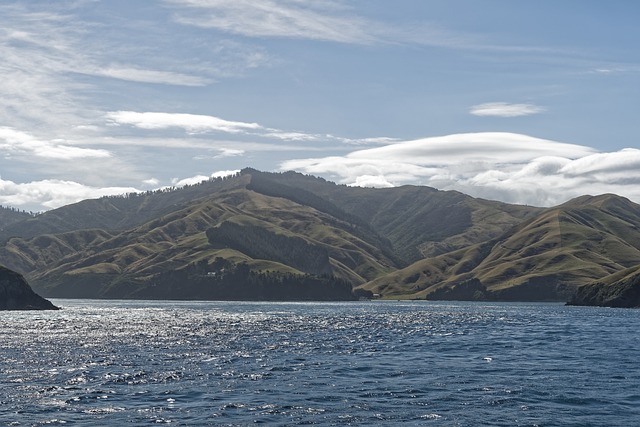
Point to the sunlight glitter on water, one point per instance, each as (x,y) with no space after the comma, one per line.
(135,363)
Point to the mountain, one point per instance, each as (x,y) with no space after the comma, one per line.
(266,229)
(544,258)
(16,294)
(419,221)
(262,236)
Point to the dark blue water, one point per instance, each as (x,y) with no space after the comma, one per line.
(413,363)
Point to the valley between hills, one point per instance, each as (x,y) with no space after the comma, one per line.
(288,236)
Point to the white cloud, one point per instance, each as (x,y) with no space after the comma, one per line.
(198,125)
(151,182)
(472,148)
(14,141)
(152,76)
(381,140)
(501,166)
(504,109)
(293,136)
(189,181)
(626,161)
(224,173)
(200,178)
(377,181)
(229,152)
(52,193)
(192,123)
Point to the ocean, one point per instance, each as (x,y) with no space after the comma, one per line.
(103,363)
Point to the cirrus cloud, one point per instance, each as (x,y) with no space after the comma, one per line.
(269,18)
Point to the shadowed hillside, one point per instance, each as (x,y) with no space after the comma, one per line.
(418,221)
(621,289)
(9,216)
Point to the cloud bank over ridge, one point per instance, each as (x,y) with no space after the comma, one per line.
(495,165)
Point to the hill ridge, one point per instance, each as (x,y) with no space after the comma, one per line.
(408,241)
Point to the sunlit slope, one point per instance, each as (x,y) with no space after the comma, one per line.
(178,239)
(573,244)
(117,212)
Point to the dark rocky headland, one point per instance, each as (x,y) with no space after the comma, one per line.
(615,291)
(16,294)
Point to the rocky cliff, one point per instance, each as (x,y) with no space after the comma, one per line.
(618,290)
(16,294)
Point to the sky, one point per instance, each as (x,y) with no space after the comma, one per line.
(527,102)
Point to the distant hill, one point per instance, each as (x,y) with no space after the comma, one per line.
(259,235)
(544,258)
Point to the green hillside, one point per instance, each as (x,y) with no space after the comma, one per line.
(260,235)
(184,237)
(543,258)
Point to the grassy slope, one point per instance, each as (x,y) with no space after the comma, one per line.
(177,239)
(419,221)
(463,238)
(576,243)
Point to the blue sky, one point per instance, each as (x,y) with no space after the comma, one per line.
(530,102)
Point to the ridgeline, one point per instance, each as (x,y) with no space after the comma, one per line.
(288,236)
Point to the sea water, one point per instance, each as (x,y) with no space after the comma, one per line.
(98,363)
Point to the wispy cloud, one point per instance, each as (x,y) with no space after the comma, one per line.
(152,76)
(504,109)
(198,125)
(222,153)
(229,152)
(270,18)
(192,123)
(45,49)
(500,166)
(328,20)
(18,142)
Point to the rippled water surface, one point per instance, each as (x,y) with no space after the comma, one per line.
(370,363)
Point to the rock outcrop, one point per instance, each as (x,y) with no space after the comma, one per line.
(623,293)
(16,294)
